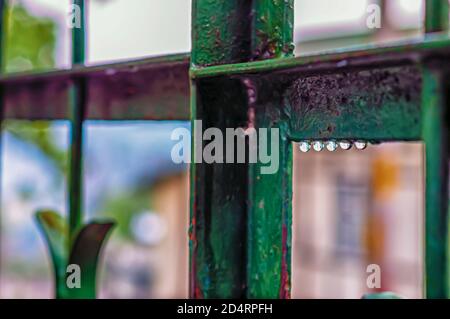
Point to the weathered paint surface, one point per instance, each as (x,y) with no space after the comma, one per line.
(240,239)
(269,202)
(220,31)
(382,104)
(272,29)
(218,203)
(372,94)
(373,56)
(232,31)
(115,91)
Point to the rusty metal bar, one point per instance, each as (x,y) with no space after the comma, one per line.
(240,242)
(158,88)
(269,228)
(218,218)
(398,53)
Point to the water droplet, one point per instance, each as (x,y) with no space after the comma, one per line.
(331,146)
(318,146)
(360,145)
(342,63)
(304,146)
(345,145)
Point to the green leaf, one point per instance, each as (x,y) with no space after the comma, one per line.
(55,232)
(85,253)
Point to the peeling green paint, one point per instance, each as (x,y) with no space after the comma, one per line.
(238,246)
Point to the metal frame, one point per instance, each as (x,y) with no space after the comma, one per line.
(242,73)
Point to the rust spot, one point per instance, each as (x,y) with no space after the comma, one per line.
(284,285)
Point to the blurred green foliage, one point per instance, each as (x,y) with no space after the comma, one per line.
(30,46)
(30,41)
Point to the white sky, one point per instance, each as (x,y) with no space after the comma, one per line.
(126,29)
(123,29)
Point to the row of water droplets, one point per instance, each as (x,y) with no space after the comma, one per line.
(318,146)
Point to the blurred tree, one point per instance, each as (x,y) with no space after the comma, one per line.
(30,41)
(30,46)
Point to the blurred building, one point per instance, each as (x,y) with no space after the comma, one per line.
(353,209)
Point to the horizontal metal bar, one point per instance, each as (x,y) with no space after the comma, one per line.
(80,70)
(376,103)
(371,94)
(149,89)
(381,104)
(158,89)
(396,53)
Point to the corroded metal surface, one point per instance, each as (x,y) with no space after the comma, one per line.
(239,239)
(235,31)
(376,94)
(381,104)
(394,54)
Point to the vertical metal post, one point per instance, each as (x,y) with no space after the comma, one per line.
(77,110)
(436,15)
(272,31)
(435,134)
(269,199)
(240,219)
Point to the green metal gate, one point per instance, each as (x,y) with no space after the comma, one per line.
(242,70)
